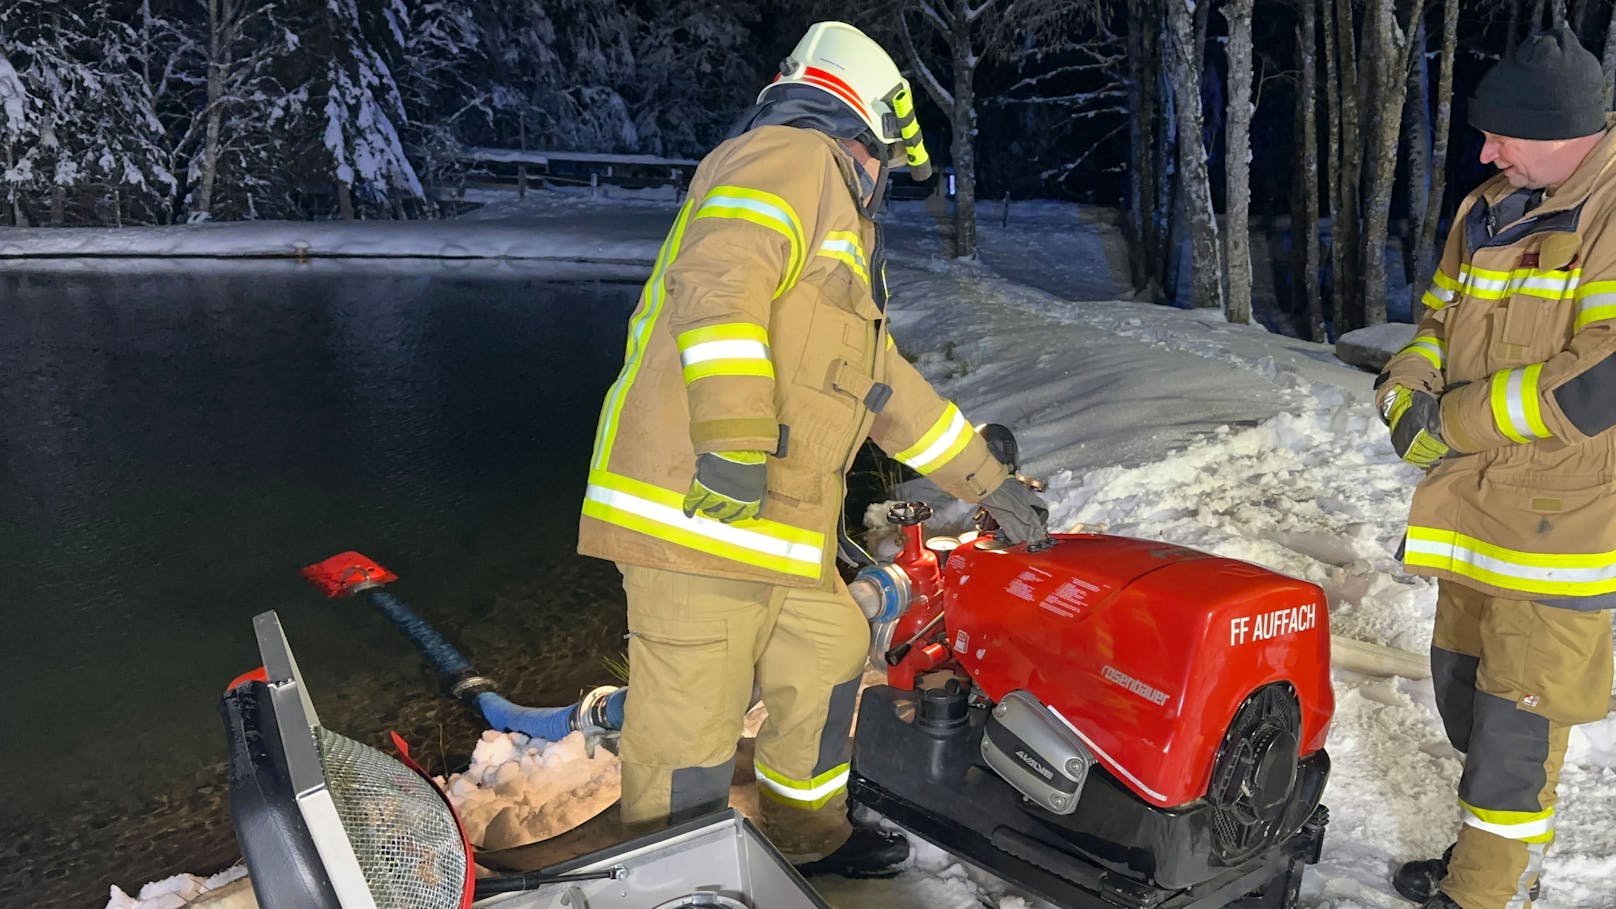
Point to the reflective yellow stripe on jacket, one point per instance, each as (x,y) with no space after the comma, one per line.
(642,507)
(763,208)
(1487,284)
(1433,349)
(946,438)
(730,349)
(1526,826)
(639,334)
(843,245)
(1516,406)
(807,794)
(1444,287)
(1596,302)
(1546,574)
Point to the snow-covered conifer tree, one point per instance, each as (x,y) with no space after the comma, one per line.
(440,78)
(363,109)
(19,125)
(693,73)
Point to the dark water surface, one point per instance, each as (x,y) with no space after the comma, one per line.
(175,445)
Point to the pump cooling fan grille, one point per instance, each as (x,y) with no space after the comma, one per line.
(1255,772)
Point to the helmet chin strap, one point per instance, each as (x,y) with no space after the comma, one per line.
(871,203)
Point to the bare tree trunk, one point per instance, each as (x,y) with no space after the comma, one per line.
(1417,129)
(1426,244)
(1305,217)
(1237,163)
(1346,250)
(1206,280)
(1166,221)
(964,145)
(1168,186)
(1141,139)
(1579,15)
(218,66)
(19,218)
(1143,64)
(345,209)
(1390,83)
(1511,32)
(1332,97)
(1558,8)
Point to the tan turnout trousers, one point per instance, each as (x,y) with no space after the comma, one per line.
(697,646)
(1512,677)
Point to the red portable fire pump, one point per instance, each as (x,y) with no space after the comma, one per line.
(1106,721)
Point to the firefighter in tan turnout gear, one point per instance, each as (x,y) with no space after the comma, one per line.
(758,360)
(1508,395)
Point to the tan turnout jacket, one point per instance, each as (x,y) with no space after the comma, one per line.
(760,330)
(1521,337)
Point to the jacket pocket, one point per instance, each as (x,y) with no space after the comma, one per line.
(795,478)
(1527,329)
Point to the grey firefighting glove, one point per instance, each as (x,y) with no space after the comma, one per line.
(1021,515)
(729,486)
(1415,418)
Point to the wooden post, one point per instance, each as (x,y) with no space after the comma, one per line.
(594,183)
(521,180)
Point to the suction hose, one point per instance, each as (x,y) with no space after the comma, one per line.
(881,592)
(598,713)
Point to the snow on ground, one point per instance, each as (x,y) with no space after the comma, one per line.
(174,892)
(1174,425)
(518,790)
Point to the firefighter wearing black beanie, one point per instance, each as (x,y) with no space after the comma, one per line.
(1551,87)
(1507,397)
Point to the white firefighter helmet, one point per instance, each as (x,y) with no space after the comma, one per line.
(842,61)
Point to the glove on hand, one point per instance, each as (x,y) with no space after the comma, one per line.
(1415,418)
(1021,515)
(729,486)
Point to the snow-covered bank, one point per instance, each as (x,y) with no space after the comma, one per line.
(610,238)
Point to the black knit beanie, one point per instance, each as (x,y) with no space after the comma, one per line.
(1550,88)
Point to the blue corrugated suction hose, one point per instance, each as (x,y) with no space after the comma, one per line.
(600,712)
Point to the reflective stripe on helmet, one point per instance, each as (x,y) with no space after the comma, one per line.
(813,75)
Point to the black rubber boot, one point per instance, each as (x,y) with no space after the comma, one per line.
(868,853)
(1418,881)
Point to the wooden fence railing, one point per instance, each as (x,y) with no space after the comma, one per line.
(524,168)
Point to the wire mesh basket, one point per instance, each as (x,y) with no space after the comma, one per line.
(405,838)
(324,821)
